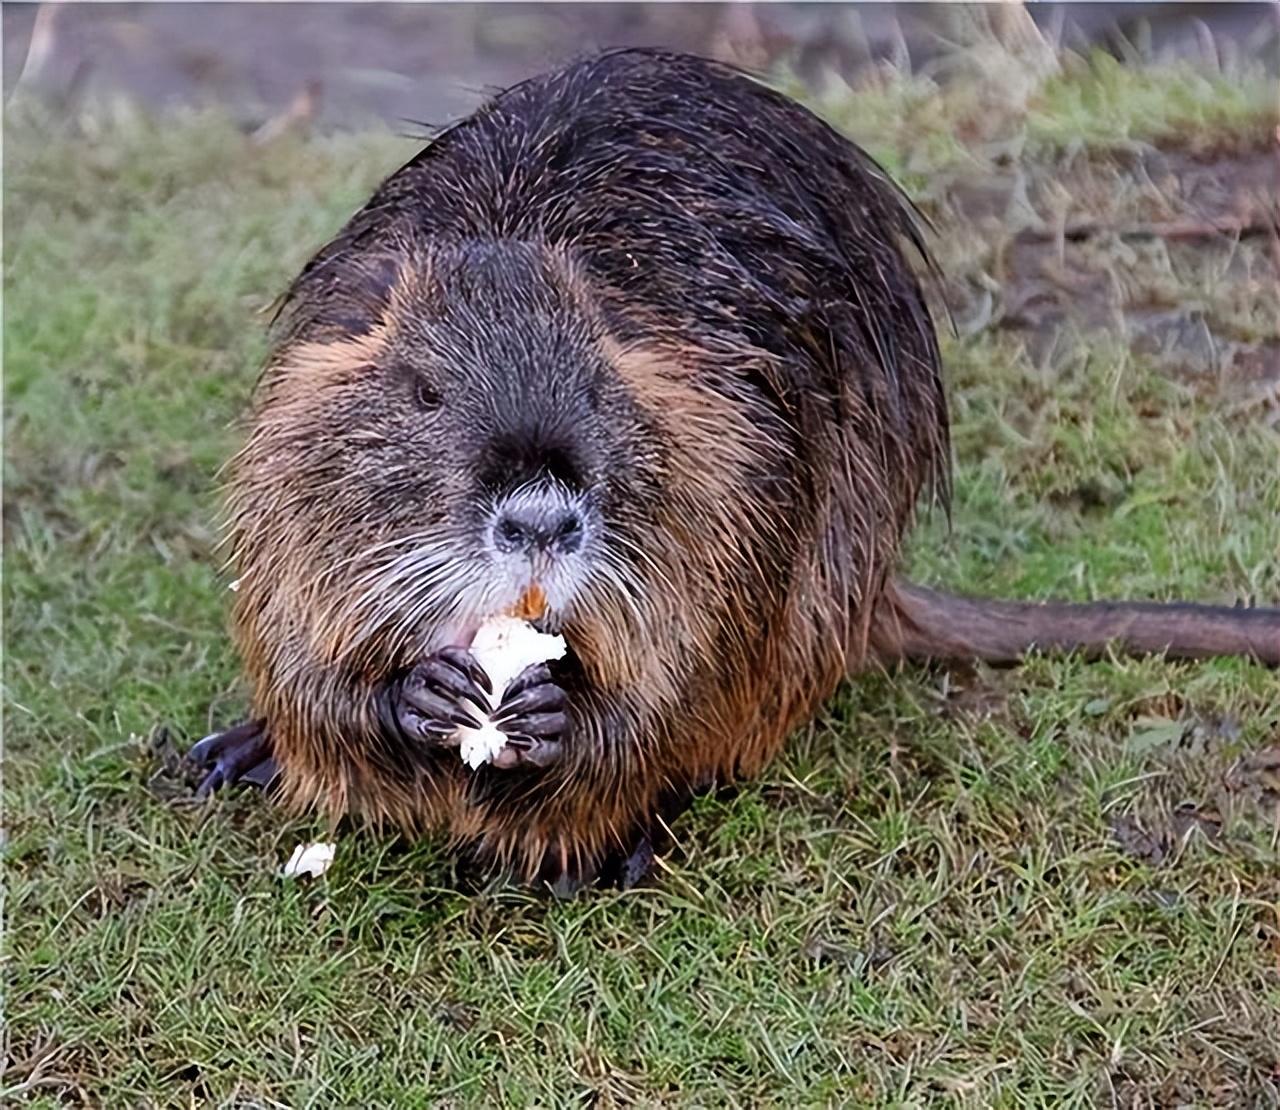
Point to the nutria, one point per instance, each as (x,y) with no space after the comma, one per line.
(644,334)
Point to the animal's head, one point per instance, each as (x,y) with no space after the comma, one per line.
(465,422)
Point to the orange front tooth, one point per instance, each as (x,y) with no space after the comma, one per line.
(532,605)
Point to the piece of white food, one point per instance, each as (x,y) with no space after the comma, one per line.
(504,646)
(309,859)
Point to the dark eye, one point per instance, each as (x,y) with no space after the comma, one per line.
(426,396)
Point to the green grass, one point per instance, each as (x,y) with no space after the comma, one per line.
(1058,885)
(1102,101)
(924,126)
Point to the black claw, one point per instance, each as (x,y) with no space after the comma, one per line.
(537,674)
(533,699)
(433,705)
(263,775)
(441,731)
(534,716)
(543,753)
(535,724)
(412,724)
(442,677)
(431,701)
(637,865)
(533,705)
(528,750)
(464,661)
(203,750)
(210,783)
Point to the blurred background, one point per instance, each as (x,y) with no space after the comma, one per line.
(344,63)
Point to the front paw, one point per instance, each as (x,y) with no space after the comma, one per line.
(434,698)
(534,715)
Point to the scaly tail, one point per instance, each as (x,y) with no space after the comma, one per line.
(919,623)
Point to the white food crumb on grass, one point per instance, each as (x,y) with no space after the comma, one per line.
(504,646)
(309,859)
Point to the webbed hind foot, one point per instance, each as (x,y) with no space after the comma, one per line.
(239,754)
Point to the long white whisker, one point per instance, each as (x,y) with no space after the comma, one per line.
(373,549)
(639,552)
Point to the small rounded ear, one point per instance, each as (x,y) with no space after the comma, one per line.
(348,288)
(372,280)
(359,296)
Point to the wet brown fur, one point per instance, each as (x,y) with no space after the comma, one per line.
(735,643)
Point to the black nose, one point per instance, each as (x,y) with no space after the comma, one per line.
(534,520)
